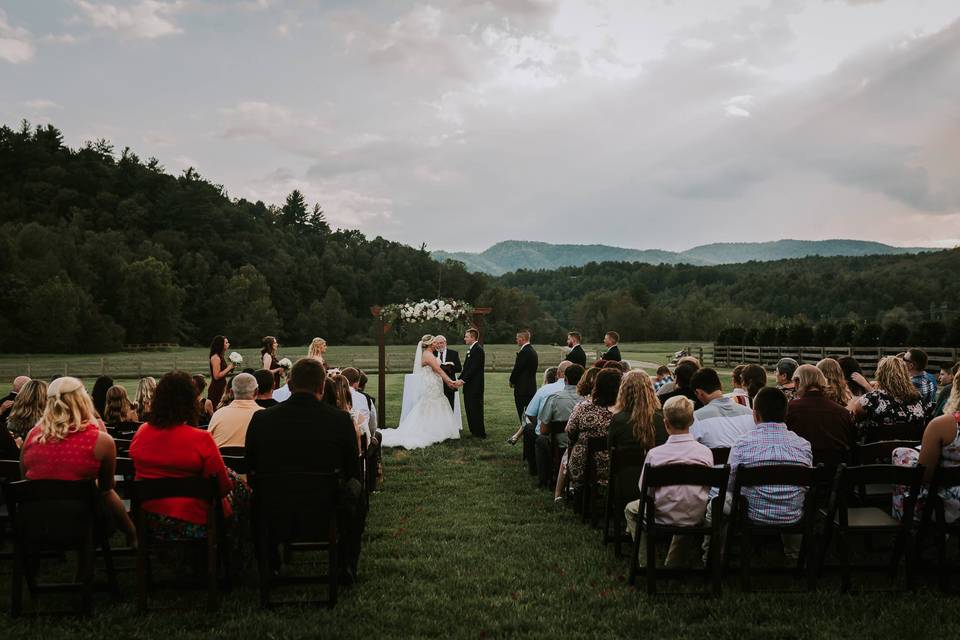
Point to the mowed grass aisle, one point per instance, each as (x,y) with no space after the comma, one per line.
(460,545)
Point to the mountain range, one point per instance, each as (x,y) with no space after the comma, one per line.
(512,255)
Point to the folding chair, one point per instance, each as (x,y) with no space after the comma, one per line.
(591,480)
(720,455)
(236,452)
(58,516)
(623,487)
(842,519)
(556,429)
(205,489)
(124,430)
(781,475)
(9,472)
(943,477)
(897,431)
(297,510)
(879,452)
(123,447)
(672,475)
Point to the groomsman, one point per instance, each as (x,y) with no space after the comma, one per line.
(576,354)
(450,363)
(523,378)
(611,340)
(472,377)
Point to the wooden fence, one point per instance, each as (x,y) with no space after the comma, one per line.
(868,357)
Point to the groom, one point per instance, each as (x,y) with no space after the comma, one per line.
(472,378)
(449,362)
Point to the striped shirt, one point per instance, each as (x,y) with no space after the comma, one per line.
(771,444)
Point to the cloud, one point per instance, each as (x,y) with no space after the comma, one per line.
(289,129)
(16,44)
(41,104)
(147,19)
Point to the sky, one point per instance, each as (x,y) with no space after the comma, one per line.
(638,123)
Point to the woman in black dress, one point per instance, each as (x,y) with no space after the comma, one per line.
(219,369)
(268,355)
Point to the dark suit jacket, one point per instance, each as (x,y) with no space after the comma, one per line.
(472,374)
(302,434)
(524,374)
(578,356)
(454,359)
(612,354)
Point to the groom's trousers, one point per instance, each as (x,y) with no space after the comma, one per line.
(473,405)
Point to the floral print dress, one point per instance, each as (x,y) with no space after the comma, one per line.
(949,457)
(588,421)
(880,409)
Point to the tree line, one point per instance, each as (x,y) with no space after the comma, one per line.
(99,248)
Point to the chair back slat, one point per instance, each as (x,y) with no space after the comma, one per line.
(851,477)
(626,463)
(779,474)
(720,455)
(9,470)
(236,463)
(295,505)
(237,452)
(685,474)
(156,489)
(52,512)
(879,452)
(556,426)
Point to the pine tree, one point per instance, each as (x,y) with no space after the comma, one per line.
(294,210)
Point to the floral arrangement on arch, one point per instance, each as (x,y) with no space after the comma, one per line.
(442,310)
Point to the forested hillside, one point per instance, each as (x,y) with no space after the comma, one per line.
(99,248)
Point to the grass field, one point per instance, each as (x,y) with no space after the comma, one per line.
(461,545)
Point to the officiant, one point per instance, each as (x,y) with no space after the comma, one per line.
(449,362)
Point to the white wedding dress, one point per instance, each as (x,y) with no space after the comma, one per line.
(429,419)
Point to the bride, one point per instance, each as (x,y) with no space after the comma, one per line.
(430,420)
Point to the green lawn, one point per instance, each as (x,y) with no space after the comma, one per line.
(461,545)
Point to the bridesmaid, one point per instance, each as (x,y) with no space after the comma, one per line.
(268,354)
(318,349)
(219,369)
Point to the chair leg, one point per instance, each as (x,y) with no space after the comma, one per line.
(333,573)
(844,560)
(85,555)
(16,583)
(264,571)
(942,570)
(108,565)
(651,564)
(716,566)
(142,570)
(635,555)
(212,563)
(746,546)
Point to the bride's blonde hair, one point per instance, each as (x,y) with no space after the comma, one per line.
(426,340)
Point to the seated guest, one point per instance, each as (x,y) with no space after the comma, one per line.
(739,393)
(374,451)
(117,407)
(894,401)
(265,389)
(947,374)
(204,405)
(853,374)
(576,355)
(816,418)
(359,401)
(683,374)
(592,419)
(585,391)
(940,447)
(552,383)
(169,446)
(99,394)
(556,408)
(837,388)
(67,444)
(228,426)
(28,408)
(754,378)
(306,434)
(785,369)
(922,379)
(670,387)
(720,421)
(664,376)
(636,415)
(680,505)
(771,443)
(6,403)
(144,397)
(340,396)
(611,341)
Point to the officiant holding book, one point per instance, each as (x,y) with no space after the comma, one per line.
(449,362)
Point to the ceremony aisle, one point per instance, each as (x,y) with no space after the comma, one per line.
(460,544)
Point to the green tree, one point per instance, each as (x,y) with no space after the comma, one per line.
(294,210)
(151,302)
(250,312)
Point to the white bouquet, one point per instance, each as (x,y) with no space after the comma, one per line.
(285,363)
(236,358)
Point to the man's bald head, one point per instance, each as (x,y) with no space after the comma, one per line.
(19,382)
(562,368)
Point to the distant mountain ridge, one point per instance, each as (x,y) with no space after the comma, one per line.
(512,255)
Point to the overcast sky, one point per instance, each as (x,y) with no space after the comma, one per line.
(639,123)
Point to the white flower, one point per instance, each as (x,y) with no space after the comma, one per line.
(285,363)
(236,358)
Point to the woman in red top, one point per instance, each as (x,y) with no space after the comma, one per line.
(169,447)
(68,444)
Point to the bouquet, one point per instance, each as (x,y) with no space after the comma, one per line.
(236,358)
(285,363)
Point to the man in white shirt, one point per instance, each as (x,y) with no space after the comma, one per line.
(359,401)
(721,421)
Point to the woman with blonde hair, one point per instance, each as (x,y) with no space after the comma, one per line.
(837,388)
(637,418)
(894,401)
(67,444)
(337,393)
(117,407)
(317,350)
(27,408)
(143,399)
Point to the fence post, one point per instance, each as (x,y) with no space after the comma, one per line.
(139,368)
(700,351)
(103,370)
(29,372)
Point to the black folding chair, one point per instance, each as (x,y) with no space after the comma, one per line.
(123,447)
(592,486)
(623,487)
(299,511)
(235,452)
(58,516)
(842,519)
(9,472)
(897,431)
(124,430)
(934,521)
(879,452)
(804,478)
(556,430)
(205,489)
(673,475)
